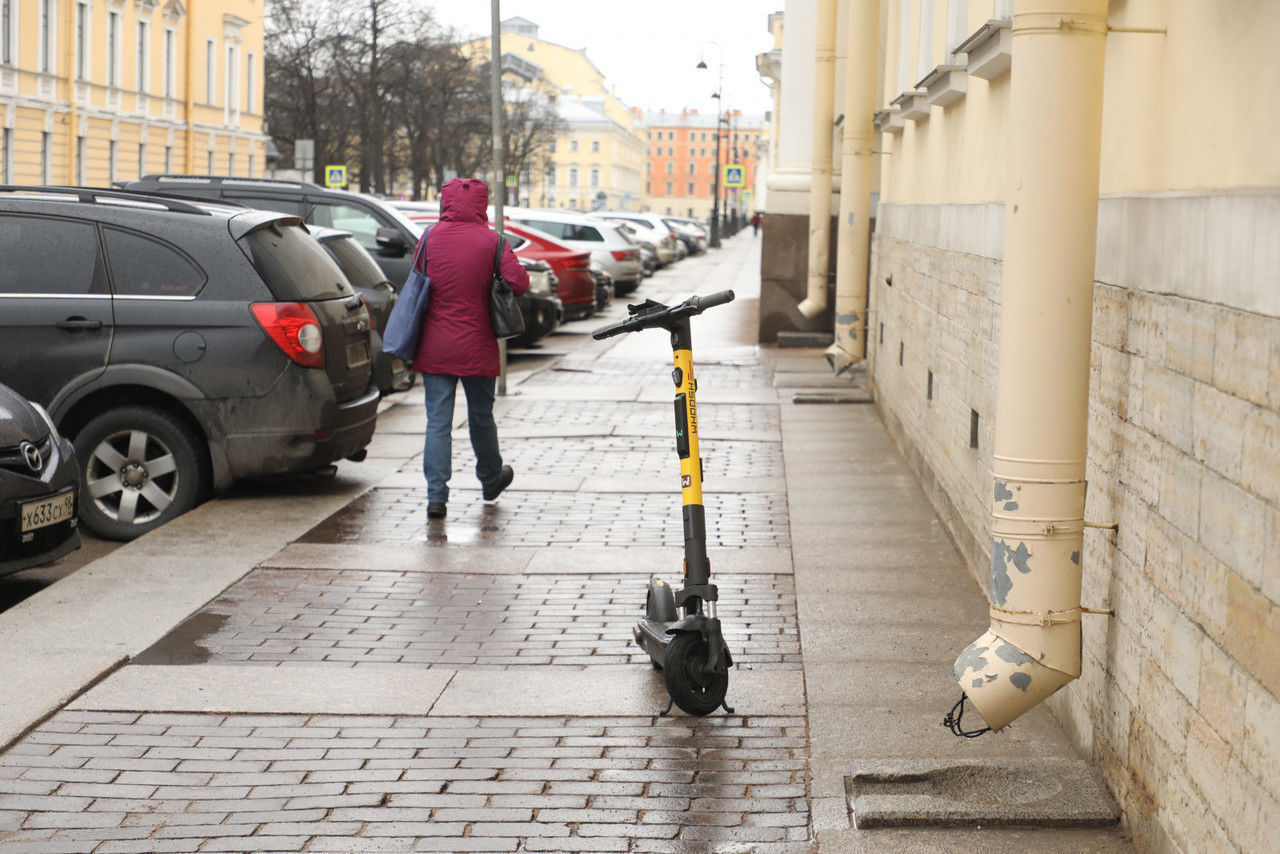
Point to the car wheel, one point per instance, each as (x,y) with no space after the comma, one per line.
(140,468)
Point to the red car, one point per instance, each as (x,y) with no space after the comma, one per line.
(577,288)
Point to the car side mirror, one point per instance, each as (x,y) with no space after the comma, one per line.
(390,242)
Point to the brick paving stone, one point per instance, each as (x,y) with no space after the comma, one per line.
(644,780)
(389,515)
(454,619)
(523,413)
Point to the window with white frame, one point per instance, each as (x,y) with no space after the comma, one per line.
(80,157)
(924,47)
(6,155)
(573,178)
(143,55)
(168,158)
(170,44)
(233,81)
(250,79)
(48,30)
(46,142)
(111,160)
(209,163)
(573,145)
(595,145)
(904,45)
(595,179)
(8,19)
(142,159)
(250,172)
(113,48)
(671,187)
(671,168)
(210,70)
(83,13)
(693,168)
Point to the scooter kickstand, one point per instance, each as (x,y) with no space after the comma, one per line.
(725,705)
(667,710)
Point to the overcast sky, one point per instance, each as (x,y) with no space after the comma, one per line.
(648,49)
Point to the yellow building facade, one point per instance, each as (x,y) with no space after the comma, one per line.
(95,91)
(600,152)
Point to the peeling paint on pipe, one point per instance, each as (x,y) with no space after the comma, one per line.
(1033,646)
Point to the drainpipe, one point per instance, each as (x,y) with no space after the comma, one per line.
(852,243)
(824,84)
(1033,646)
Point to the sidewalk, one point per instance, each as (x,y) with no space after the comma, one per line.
(330,671)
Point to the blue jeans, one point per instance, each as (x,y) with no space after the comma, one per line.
(437,462)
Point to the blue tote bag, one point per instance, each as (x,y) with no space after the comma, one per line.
(405,323)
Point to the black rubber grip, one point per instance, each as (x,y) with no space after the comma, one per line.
(712,300)
(610,331)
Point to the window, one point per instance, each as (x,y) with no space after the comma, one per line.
(48,20)
(111,159)
(7,17)
(704,136)
(573,178)
(595,179)
(144,44)
(648,187)
(82,40)
(573,145)
(231,163)
(143,266)
(595,145)
(553,146)
(250,168)
(27,239)
(142,159)
(702,152)
(671,152)
(250,104)
(551,176)
(671,168)
(168,158)
(359,221)
(80,160)
(973,428)
(169,42)
(6,155)
(691,186)
(671,187)
(693,168)
(113,49)
(293,265)
(209,161)
(210,70)
(233,83)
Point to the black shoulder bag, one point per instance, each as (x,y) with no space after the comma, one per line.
(504,310)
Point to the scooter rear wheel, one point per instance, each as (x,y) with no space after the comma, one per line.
(681,670)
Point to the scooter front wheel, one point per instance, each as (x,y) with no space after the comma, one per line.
(694,691)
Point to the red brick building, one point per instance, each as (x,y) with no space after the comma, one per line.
(682,156)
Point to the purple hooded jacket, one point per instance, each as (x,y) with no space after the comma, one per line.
(456,336)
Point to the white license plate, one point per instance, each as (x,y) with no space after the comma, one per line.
(357,354)
(48,511)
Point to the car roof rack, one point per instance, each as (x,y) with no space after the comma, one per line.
(94,195)
(228,180)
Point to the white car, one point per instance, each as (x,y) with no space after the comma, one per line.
(613,250)
(651,228)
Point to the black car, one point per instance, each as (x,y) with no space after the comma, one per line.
(39,485)
(389,373)
(182,345)
(385,232)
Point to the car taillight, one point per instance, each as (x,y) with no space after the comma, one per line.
(294,328)
(626,254)
(373,323)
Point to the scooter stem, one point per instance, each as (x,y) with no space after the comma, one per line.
(697,567)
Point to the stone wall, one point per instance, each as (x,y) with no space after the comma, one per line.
(784,276)
(1178,695)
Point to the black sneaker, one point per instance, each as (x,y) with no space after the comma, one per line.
(436,509)
(504,480)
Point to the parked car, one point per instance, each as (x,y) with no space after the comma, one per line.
(541,309)
(609,247)
(604,287)
(648,249)
(389,373)
(183,345)
(690,232)
(575,288)
(39,486)
(385,232)
(651,228)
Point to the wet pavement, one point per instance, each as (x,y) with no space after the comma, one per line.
(348,675)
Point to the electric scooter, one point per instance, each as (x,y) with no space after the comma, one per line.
(690,649)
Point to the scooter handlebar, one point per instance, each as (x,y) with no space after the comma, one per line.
(692,306)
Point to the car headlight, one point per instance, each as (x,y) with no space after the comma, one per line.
(53,428)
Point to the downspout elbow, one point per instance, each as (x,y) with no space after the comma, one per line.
(1002,681)
(815,303)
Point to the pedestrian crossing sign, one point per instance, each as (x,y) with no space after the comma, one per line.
(335,176)
(734,175)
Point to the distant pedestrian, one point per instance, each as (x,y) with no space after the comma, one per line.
(458,341)
(755,223)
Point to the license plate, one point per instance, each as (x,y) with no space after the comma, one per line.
(357,353)
(48,511)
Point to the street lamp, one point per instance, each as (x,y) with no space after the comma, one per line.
(714,242)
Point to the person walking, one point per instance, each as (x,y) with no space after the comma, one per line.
(457,343)
(755,223)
